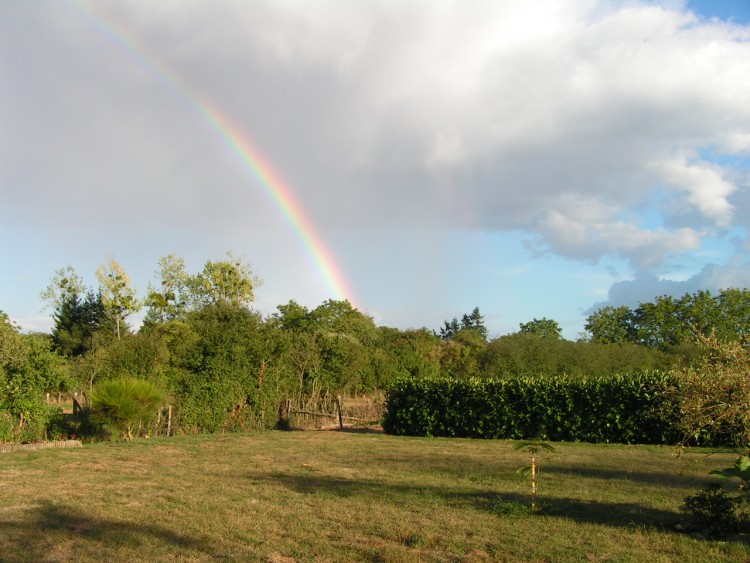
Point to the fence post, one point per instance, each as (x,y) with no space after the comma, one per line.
(341,414)
(169,420)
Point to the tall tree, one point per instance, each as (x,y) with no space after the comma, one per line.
(118,295)
(611,325)
(64,286)
(224,282)
(472,321)
(544,327)
(76,320)
(170,300)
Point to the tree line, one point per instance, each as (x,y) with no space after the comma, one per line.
(224,366)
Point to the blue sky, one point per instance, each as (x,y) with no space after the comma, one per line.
(533,159)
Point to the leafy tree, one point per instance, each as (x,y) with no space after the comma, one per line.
(734,311)
(293,316)
(28,368)
(171,299)
(459,356)
(416,352)
(66,285)
(118,295)
(224,282)
(669,323)
(544,328)
(611,325)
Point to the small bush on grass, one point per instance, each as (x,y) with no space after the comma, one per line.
(714,513)
(124,406)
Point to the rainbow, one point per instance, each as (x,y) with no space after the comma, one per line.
(239,143)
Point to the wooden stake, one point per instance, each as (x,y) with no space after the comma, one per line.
(169,421)
(533,483)
(341,414)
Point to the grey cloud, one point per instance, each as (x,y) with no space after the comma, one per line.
(386,115)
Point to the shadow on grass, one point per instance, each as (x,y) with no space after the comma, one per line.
(578,510)
(50,527)
(661,479)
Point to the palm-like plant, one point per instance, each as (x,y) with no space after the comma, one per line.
(534,448)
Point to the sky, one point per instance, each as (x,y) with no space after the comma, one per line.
(419,158)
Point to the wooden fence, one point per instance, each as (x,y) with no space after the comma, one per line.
(289,411)
(55,444)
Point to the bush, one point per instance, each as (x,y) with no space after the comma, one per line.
(6,426)
(125,405)
(714,394)
(714,513)
(624,409)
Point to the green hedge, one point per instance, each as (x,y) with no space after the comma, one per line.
(623,409)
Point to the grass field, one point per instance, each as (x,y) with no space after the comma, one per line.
(349,496)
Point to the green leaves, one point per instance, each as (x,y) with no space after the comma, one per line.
(625,409)
(740,470)
(126,404)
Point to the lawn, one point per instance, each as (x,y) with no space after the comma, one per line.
(349,496)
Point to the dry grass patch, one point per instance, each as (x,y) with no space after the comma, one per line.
(344,496)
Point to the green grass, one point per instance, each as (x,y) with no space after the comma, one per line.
(345,496)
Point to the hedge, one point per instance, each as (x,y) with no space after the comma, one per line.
(622,409)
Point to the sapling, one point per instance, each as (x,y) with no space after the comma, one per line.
(533,447)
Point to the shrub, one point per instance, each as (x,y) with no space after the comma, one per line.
(714,513)
(6,426)
(714,394)
(625,409)
(125,405)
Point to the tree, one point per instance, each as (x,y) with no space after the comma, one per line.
(473,321)
(669,323)
(544,328)
(228,282)
(76,320)
(611,325)
(65,286)
(449,329)
(170,301)
(118,295)
(28,368)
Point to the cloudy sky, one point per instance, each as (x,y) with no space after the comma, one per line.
(535,159)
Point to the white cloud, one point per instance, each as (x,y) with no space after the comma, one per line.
(562,120)
(705,188)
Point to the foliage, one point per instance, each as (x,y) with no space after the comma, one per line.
(543,328)
(526,354)
(740,470)
(626,409)
(126,404)
(65,284)
(714,513)
(669,321)
(224,282)
(118,295)
(471,322)
(714,393)
(170,301)
(228,370)
(28,368)
(77,320)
